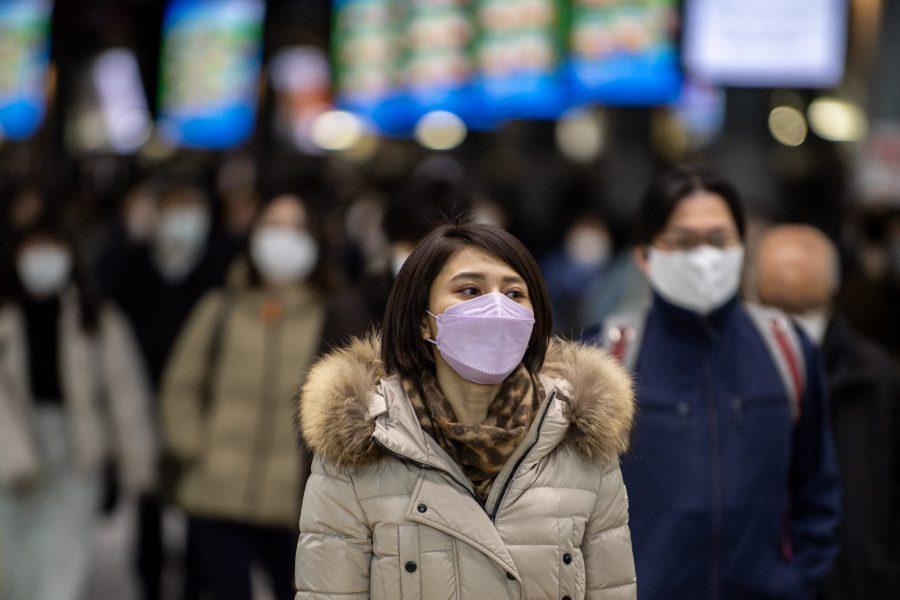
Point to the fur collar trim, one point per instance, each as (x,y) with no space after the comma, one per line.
(333,405)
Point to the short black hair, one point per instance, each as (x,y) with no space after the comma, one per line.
(670,188)
(425,199)
(403,351)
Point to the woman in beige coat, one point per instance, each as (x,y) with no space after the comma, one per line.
(465,455)
(227,406)
(73,397)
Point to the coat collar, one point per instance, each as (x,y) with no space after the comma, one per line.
(347,396)
(691,323)
(238,283)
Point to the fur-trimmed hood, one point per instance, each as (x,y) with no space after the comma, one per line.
(334,403)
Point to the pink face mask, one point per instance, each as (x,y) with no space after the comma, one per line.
(485,338)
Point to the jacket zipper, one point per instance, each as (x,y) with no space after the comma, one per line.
(264,424)
(519,462)
(427,467)
(716,483)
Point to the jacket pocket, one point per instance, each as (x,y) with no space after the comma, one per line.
(674,416)
(747,405)
(571,562)
(410,573)
(766,413)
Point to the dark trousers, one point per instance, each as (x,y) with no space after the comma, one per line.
(150,546)
(221,554)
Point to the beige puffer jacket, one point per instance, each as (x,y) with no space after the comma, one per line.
(241,451)
(388,515)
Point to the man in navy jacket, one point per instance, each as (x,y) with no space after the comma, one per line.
(731,477)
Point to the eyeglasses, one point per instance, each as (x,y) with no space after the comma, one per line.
(718,239)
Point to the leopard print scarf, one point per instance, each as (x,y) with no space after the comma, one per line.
(481,450)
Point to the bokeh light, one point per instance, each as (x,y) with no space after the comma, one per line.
(837,120)
(440,130)
(337,130)
(788,125)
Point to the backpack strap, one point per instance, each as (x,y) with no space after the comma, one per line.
(214,351)
(777,330)
(622,336)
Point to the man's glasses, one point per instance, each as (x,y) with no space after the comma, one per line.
(718,239)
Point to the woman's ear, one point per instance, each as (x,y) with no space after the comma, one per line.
(425,328)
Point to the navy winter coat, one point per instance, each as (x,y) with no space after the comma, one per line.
(729,497)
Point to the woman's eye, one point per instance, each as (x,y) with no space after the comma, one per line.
(469,291)
(515,294)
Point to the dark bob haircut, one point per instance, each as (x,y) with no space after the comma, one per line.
(670,188)
(403,351)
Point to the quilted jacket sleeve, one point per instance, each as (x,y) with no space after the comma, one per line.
(608,560)
(335,545)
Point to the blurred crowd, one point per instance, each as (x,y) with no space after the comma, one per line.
(151,353)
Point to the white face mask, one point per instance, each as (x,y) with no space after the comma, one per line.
(44,270)
(814,323)
(700,280)
(180,240)
(283,254)
(588,246)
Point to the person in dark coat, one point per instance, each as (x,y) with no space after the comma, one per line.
(732,481)
(159,261)
(798,271)
(434,193)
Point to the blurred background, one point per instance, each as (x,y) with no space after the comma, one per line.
(549,110)
(161,135)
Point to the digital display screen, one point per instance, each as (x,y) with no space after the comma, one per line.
(519,52)
(491,60)
(437,65)
(776,43)
(396,61)
(211,62)
(366,54)
(624,53)
(24,59)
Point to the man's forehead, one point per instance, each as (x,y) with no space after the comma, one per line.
(693,229)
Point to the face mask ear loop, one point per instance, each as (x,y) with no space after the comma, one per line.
(435,318)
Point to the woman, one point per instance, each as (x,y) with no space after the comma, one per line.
(73,395)
(226,409)
(465,455)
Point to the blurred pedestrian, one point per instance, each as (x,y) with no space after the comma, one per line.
(798,271)
(434,193)
(20,207)
(465,454)
(590,278)
(870,290)
(73,395)
(162,256)
(732,479)
(227,410)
